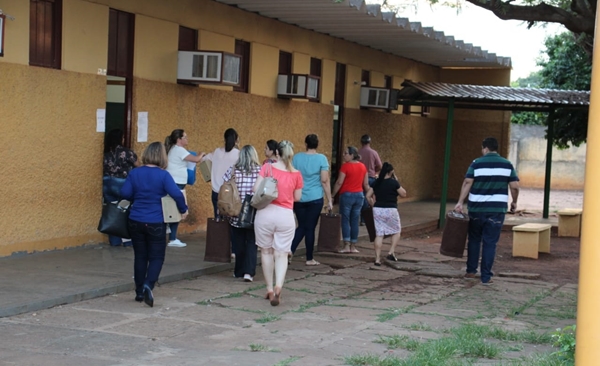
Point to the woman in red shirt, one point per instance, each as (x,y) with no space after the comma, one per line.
(352,181)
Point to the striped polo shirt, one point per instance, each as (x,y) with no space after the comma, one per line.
(491,174)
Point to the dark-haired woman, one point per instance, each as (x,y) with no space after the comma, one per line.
(178,158)
(352,181)
(118,162)
(271,151)
(383,197)
(145,187)
(315,174)
(222,159)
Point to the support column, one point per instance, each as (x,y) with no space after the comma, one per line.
(588,300)
(442,220)
(548,175)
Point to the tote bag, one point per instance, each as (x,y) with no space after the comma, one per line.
(114,219)
(247,213)
(266,192)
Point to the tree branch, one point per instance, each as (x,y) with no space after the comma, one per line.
(579,20)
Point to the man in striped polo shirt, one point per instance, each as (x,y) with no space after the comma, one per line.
(486,183)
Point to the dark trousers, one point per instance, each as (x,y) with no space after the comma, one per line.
(174,225)
(366,203)
(244,248)
(214,197)
(484,232)
(149,249)
(307,214)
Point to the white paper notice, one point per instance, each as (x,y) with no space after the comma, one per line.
(142,125)
(100,120)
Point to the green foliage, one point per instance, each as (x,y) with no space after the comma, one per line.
(564,340)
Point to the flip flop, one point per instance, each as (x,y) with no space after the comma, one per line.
(377,264)
(312,263)
(344,251)
(354,251)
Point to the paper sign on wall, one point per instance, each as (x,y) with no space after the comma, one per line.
(142,126)
(100,120)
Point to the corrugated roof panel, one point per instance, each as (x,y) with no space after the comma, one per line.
(367,25)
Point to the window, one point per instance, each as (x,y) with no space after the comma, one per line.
(388,81)
(315,70)
(285,63)
(365,78)
(45,33)
(242,48)
(188,39)
(121,27)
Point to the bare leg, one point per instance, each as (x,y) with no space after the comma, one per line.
(267,263)
(378,244)
(395,240)
(281,266)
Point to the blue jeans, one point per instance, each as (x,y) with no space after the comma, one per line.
(366,203)
(149,249)
(483,227)
(308,214)
(350,206)
(245,249)
(111,191)
(174,225)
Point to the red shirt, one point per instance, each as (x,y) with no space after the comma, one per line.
(355,176)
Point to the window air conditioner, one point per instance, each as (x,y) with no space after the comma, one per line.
(297,86)
(208,67)
(379,98)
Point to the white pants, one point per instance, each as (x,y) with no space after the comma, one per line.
(274,227)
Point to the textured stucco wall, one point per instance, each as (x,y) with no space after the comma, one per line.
(205,114)
(50,186)
(404,141)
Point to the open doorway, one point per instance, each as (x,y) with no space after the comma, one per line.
(115,103)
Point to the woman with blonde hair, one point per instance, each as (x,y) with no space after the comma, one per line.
(243,240)
(274,225)
(144,188)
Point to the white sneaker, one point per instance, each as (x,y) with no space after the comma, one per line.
(176,243)
(248,278)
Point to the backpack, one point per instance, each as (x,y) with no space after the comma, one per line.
(229,202)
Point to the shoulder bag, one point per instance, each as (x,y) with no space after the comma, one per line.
(266,192)
(247,214)
(114,219)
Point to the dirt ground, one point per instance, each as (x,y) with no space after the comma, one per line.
(561,265)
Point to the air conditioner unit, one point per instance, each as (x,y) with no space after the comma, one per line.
(209,67)
(379,98)
(298,86)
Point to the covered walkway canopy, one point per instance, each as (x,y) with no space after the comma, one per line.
(486,97)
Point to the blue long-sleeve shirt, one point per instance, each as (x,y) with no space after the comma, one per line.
(144,187)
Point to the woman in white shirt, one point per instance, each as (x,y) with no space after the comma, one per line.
(178,156)
(222,159)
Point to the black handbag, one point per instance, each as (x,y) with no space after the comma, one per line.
(114,220)
(247,213)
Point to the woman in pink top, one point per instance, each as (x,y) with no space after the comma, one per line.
(274,225)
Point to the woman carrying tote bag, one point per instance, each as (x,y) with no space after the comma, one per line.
(145,186)
(243,239)
(274,225)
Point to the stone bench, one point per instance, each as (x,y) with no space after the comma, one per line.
(569,222)
(529,239)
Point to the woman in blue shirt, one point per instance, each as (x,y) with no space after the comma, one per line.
(315,174)
(144,187)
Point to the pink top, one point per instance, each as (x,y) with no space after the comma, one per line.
(371,159)
(287,183)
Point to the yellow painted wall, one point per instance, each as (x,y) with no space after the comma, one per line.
(328,81)
(377,79)
(85,36)
(264,70)
(54,110)
(16,32)
(155,56)
(51,181)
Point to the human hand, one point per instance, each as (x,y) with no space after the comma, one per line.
(330,206)
(184,215)
(458,207)
(513,207)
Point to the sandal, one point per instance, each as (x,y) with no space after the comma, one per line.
(276,297)
(391,257)
(378,264)
(312,262)
(353,249)
(344,251)
(269,296)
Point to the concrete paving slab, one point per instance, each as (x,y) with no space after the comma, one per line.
(527,276)
(423,257)
(441,272)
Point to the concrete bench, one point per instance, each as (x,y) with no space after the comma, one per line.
(569,222)
(529,239)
